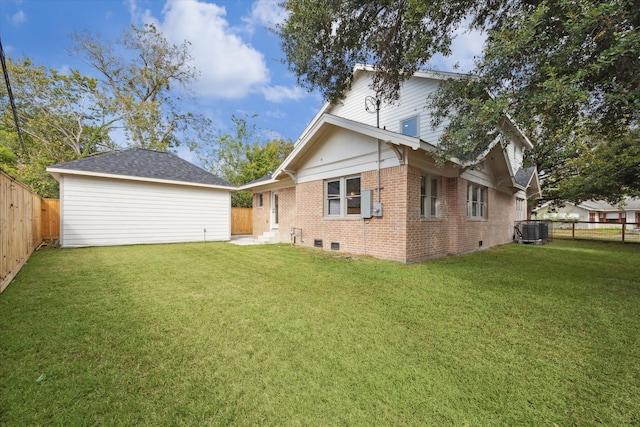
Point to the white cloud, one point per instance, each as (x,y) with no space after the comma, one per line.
(282,93)
(140,16)
(275,114)
(466,45)
(19,18)
(272,135)
(229,67)
(65,70)
(267,13)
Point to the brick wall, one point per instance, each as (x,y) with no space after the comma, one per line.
(400,234)
(429,237)
(287,209)
(383,237)
(286,212)
(473,234)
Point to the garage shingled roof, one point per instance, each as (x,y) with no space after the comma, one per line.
(143,163)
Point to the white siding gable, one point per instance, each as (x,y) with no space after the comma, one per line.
(515,154)
(343,153)
(412,102)
(105,212)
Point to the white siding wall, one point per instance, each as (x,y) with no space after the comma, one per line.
(104,212)
(516,155)
(413,100)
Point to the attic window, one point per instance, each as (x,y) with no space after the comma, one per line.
(409,126)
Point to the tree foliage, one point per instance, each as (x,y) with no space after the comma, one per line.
(567,71)
(604,170)
(69,116)
(137,82)
(61,119)
(241,157)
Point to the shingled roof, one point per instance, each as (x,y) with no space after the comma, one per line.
(523,176)
(141,163)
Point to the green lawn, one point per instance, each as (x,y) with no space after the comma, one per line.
(218,334)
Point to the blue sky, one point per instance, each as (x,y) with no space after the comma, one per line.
(238,58)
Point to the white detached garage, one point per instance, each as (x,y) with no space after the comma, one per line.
(140,196)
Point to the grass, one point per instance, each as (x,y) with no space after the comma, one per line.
(218,334)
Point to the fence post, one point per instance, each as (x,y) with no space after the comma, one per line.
(573,231)
(624,226)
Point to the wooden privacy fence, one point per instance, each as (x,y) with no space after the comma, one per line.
(50,219)
(20,226)
(241,221)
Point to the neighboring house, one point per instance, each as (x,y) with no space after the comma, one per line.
(140,196)
(596,212)
(351,186)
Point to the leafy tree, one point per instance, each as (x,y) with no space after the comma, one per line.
(136,82)
(241,157)
(605,170)
(568,72)
(60,117)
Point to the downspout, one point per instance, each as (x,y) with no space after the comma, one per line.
(378,172)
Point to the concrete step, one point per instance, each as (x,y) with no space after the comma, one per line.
(269,237)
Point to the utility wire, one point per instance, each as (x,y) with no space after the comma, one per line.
(11,99)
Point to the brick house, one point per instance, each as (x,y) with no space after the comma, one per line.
(362,188)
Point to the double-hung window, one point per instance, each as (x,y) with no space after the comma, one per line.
(429,196)
(520,209)
(342,197)
(476,201)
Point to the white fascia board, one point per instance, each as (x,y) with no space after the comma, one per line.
(537,187)
(268,185)
(374,132)
(257,184)
(485,153)
(57,172)
(526,142)
(533,184)
(311,124)
(442,75)
(427,74)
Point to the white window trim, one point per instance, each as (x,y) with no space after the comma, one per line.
(425,199)
(343,197)
(481,208)
(417,117)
